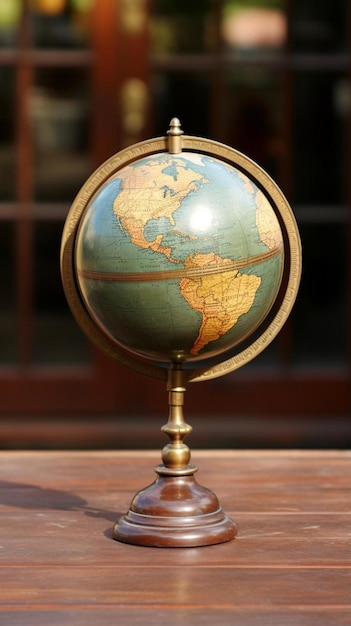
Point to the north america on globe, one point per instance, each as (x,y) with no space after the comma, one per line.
(179,257)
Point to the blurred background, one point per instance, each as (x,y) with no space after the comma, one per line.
(81,79)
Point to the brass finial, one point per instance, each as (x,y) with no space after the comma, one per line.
(175,136)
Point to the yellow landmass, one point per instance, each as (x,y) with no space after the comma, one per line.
(267,223)
(149,193)
(221,298)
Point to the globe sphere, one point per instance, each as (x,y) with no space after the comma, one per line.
(179,258)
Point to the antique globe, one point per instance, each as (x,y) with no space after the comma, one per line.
(181,259)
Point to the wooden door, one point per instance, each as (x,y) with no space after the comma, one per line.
(79,81)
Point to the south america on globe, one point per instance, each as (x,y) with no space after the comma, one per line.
(179,257)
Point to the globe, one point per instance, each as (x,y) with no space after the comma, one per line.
(179,258)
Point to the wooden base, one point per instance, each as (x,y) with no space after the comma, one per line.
(175,512)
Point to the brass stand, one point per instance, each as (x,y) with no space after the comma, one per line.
(175,511)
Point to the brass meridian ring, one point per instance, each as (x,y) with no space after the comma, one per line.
(292,252)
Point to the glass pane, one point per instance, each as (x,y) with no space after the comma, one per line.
(181,27)
(10,11)
(7,134)
(320,316)
(184,95)
(319,25)
(8,343)
(253,25)
(61,23)
(320,135)
(57,337)
(253,110)
(60,117)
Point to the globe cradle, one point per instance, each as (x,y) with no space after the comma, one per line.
(189,258)
(181,259)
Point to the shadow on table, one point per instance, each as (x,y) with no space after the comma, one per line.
(33,497)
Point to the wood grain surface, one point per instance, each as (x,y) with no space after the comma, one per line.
(289,565)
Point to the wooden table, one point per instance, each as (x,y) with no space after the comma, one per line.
(290,564)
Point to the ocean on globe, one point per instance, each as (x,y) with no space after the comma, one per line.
(179,258)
